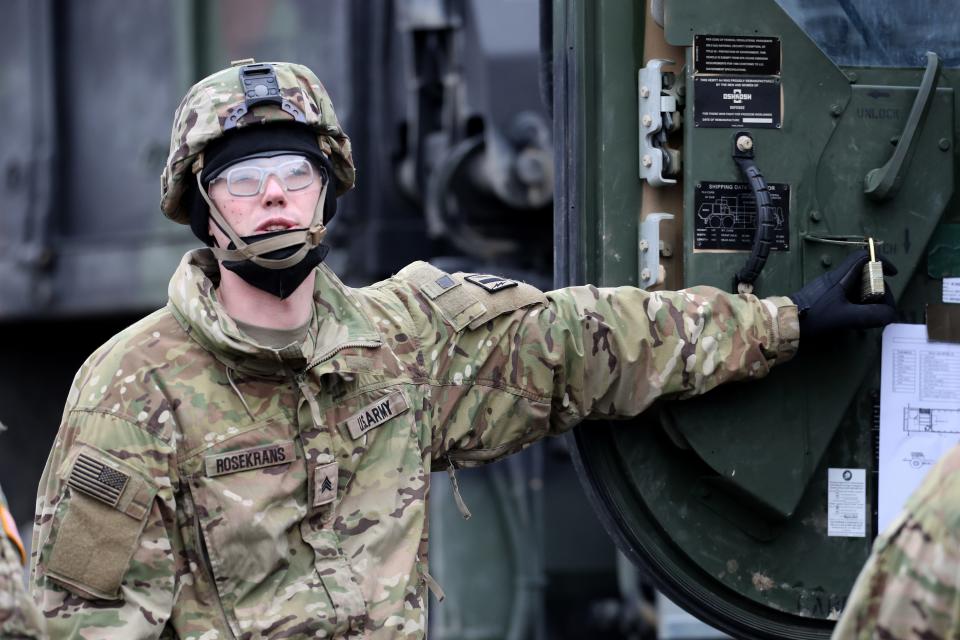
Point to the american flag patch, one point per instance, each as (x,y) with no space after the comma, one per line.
(97,480)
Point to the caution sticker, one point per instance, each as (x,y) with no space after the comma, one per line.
(847,503)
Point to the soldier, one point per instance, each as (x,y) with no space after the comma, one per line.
(19,617)
(909,587)
(253,460)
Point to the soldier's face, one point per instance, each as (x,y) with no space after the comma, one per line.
(280,204)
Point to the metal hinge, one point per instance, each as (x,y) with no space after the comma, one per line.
(660,98)
(651,247)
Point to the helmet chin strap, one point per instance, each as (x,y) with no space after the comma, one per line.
(309,238)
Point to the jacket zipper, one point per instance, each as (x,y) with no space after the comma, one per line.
(340,347)
(204,558)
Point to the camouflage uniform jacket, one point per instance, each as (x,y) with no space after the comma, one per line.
(19,617)
(910,586)
(202,486)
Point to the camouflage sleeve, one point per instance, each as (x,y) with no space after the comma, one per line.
(910,586)
(19,617)
(527,365)
(103,542)
(614,351)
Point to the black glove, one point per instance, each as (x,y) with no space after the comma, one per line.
(832,301)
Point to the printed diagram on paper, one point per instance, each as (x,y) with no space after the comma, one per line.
(931,420)
(919,411)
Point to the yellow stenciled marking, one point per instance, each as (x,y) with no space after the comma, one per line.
(10,528)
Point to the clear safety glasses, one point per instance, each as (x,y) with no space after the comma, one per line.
(247,178)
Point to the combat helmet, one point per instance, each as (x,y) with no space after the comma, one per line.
(244,95)
(226,105)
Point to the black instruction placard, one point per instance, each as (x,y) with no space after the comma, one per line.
(737,101)
(726,216)
(749,55)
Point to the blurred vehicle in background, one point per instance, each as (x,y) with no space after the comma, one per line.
(442,100)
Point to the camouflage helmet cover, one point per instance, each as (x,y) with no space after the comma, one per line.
(206,110)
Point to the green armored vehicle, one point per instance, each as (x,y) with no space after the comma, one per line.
(835,124)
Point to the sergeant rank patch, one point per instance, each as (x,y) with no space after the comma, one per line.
(376,413)
(325,479)
(491,283)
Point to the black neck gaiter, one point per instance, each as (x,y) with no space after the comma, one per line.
(277,282)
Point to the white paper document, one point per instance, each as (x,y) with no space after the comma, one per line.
(919,412)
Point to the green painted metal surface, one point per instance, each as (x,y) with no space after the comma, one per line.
(603,160)
(943,257)
(723,498)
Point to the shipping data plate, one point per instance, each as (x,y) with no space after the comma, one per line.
(726,218)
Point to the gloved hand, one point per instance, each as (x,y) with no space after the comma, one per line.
(832,301)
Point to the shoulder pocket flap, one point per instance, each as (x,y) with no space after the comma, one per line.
(456,303)
(99,523)
(503,300)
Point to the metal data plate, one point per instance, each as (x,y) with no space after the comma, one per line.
(725,102)
(726,216)
(747,55)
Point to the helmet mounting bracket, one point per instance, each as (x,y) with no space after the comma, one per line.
(260,86)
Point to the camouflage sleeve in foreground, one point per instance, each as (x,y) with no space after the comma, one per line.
(19,617)
(910,586)
(513,365)
(118,558)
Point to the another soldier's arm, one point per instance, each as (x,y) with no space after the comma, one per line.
(910,586)
(103,557)
(19,617)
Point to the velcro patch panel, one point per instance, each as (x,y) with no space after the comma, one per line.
(457,305)
(101,476)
